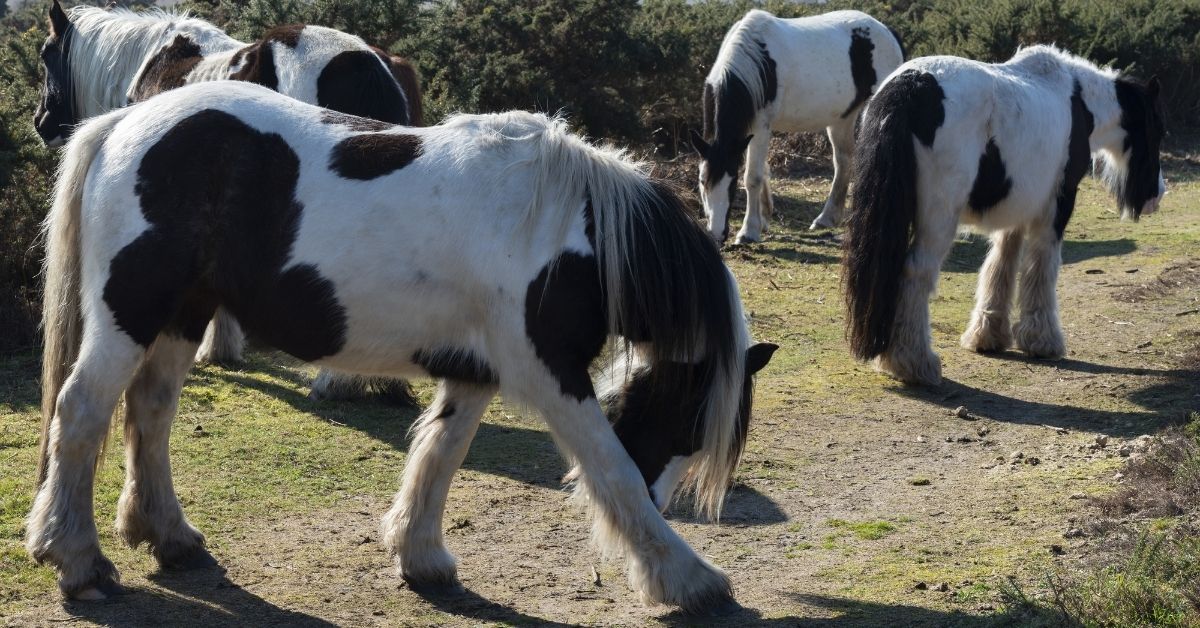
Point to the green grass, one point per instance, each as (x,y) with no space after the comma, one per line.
(865,530)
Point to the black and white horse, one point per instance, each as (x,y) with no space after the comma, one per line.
(493,253)
(1000,148)
(97,60)
(793,75)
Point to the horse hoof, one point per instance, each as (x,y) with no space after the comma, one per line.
(745,240)
(725,608)
(102,588)
(195,557)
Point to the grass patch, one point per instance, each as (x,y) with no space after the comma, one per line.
(865,530)
(920,481)
(1151,573)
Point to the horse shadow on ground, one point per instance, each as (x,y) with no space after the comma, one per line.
(194,598)
(1167,400)
(967,254)
(526,455)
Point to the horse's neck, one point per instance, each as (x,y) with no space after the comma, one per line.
(215,67)
(1099,95)
(105,69)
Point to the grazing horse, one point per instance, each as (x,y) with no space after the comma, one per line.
(794,75)
(327,236)
(97,60)
(1000,148)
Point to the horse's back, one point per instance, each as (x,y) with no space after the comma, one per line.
(823,63)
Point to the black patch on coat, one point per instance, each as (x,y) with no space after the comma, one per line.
(167,69)
(733,113)
(454,364)
(354,123)
(220,200)
(55,114)
(288,35)
(992,183)
(368,156)
(862,68)
(359,83)
(258,65)
(1142,121)
(883,215)
(565,320)
(1079,159)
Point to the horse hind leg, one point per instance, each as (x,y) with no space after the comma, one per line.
(841,138)
(412,529)
(149,510)
(1039,332)
(910,355)
(61,528)
(989,329)
(223,340)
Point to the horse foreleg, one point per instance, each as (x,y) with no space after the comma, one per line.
(412,529)
(910,355)
(61,528)
(756,186)
(662,567)
(841,138)
(223,340)
(989,327)
(1039,332)
(149,510)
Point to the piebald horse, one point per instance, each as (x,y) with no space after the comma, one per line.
(1000,148)
(98,59)
(794,75)
(326,235)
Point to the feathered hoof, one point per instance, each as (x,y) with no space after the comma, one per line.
(742,240)
(1040,341)
(921,368)
(822,222)
(431,572)
(699,589)
(100,581)
(986,335)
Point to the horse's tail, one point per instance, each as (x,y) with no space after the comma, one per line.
(884,210)
(62,315)
(665,284)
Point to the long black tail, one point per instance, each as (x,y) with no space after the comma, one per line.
(883,214)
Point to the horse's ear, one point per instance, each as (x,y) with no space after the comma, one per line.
(699,144)
(758,356)
(1152,88)
(58,20)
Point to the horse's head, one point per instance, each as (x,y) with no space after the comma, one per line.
(1135,174)
(657,416)
(719,165)
(55,113)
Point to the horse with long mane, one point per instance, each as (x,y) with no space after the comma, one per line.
(794,75)
(326,235)
(1000,148)
(97,60)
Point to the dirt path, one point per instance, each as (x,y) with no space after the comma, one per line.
(858,498)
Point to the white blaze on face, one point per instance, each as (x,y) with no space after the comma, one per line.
(716,204)
(664,487)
